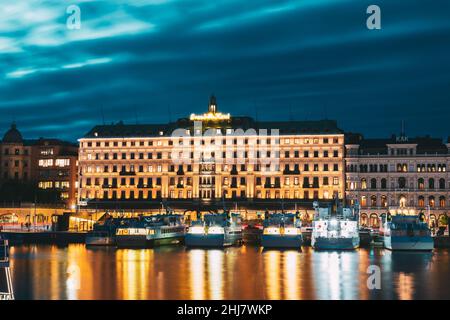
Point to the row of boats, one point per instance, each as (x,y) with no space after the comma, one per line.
(334,227)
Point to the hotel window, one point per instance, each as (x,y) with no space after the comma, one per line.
(47,152)
(325,181)
(431,202)
(335,167)
(363,201)
(286,154)
(159,168)
(286,141)
(296,154)
(296,140)
(45,162)
(159,155)
(306,141)
(62,162)
(149,155)
(45,184)
(421,202)
(296,181)
(325,154)
(316,154)
(316,141)
(363,184)
(325,140)
(306,167)
(316,167)
(306,154)
(286,181)
(335,140)
(335,153)
(325,167)
(335,181)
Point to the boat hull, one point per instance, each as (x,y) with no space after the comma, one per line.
(100,241)
(281,241)
(143,242)
(409,243)
(212,240)
(335,243)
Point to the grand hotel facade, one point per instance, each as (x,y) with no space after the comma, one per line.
(212,160)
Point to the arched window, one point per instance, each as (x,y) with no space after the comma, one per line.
(421,184)
(363,219)
(431,183)
(442,202)
(431,201)
(373,201)
(374,221)
(363,201)
(442,183)
(363,183)
(402,201)
(421,202)
(402,182)
(383,183)
(383,201)
(373,183)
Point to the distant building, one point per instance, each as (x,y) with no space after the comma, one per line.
(398,174)
(48,164)
(212,158)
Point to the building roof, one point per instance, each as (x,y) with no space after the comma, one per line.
(215,120)
(425,145)
(12,135)
(121,130)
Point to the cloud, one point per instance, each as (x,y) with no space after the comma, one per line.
(140,59)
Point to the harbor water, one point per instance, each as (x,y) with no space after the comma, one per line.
(174,272)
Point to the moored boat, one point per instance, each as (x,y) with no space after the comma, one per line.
(281,230)
(335,227)
(150,231)
(215,230)
(406,233)
(103,232)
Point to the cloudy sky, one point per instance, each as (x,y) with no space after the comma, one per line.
(154,60)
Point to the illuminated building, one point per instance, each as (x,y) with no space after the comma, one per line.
(48,164)
(209,159)
(398,175)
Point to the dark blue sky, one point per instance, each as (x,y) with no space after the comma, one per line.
(303,59)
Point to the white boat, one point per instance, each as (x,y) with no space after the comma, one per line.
(281,230)
(6,288)
(151,231)
(335,227)
(406,232)
(215,230)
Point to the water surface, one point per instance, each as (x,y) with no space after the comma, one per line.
(77,272)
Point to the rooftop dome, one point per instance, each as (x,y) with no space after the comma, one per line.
(12,135)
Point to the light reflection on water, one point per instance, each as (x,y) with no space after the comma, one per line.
(74,272)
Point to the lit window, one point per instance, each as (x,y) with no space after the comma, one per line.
(62,162)
(45,162)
